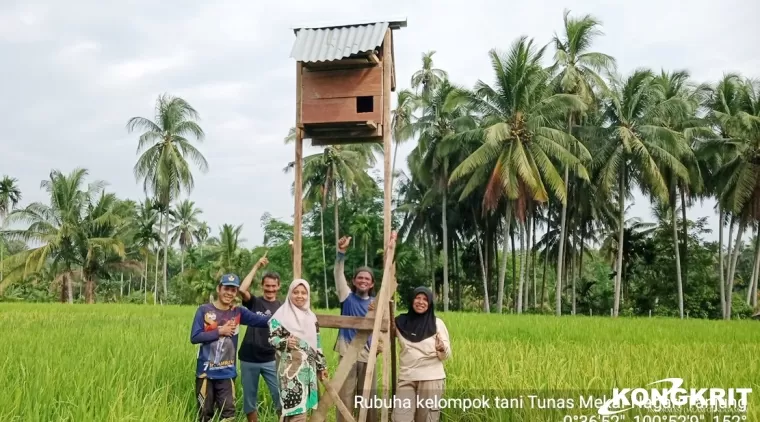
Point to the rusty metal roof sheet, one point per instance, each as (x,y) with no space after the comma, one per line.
(337,42)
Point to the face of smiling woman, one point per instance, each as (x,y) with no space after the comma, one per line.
(420,303)
(299,296)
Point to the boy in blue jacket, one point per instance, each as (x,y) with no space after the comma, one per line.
(216,328)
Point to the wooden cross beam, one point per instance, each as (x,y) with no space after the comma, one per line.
(351,322)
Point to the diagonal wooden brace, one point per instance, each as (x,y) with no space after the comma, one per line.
(382,305)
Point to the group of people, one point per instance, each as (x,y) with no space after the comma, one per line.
(283,345)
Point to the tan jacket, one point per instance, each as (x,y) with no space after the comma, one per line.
(420,361)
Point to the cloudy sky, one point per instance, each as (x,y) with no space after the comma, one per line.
(75,71)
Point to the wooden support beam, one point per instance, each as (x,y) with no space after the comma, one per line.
(372,57)
(298,212)
(352,322)
(382,304)
(372,125)
(387,67)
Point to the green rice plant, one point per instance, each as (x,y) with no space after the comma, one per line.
(135,363)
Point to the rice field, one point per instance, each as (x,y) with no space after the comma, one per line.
(111,363)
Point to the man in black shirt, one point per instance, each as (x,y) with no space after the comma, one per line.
(257,356)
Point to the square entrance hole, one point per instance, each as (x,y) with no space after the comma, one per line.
(365,104)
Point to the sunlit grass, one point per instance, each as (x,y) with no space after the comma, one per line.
(135,363)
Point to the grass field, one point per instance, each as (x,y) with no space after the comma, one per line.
(135,363)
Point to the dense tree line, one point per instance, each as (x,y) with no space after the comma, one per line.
(515,199)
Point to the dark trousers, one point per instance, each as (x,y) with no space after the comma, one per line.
(213,394)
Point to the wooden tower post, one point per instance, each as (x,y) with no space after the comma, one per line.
(343,96)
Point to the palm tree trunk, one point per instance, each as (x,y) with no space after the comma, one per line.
(573,269)
(431,249)
(543,278)
(521,226)
(503,263)
(533,264)
(69,289)
(754,287)
(560,258)
(129,286)
(145,281)
(526,254)
(445,253)
(720,262)
(166,253)
(182,259)
(155,280)
(486,304)
(121,287)
(684,236)
(677,256)
(580,257)
(365,251)
(755,268)
(324,256)
(621,232)
(737,250)
(2,249)
(89,289)
(729,247)
(514,266)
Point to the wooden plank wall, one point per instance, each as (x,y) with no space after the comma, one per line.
(330,95)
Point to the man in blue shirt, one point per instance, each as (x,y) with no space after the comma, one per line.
(355,300)
(216,328)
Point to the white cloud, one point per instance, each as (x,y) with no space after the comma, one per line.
(133,70)
(77,70)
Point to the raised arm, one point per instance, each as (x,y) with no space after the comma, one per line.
(197,335)
(341,285)
(248,280)
(253,319)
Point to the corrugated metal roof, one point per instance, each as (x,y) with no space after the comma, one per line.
(326,44)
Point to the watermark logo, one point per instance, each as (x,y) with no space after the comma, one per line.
(659,399)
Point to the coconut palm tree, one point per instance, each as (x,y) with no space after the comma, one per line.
(520,115)
(443,115)
(638,148)
(10,196)
(163,166)
(56,226)
(577,72)
(184,221)
(428,77)
(735,109)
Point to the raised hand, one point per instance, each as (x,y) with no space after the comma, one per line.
(292,343)
(439,346)
(262,262)
(343,243)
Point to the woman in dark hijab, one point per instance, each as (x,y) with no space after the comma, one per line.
(423,346)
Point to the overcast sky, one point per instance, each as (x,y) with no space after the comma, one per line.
(73,73)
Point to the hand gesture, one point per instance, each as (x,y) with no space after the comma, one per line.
(292,343)
(228,329)
(262,262)
(322,374)
(343,243)
(372,305)
(439,346)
